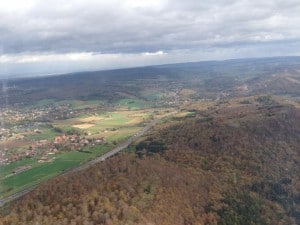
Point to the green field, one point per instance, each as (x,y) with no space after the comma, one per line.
(41,103)
(123,134)
(132,104)
(7,169)
(153,96)
(184,114)
(46,133)
(43,171)
(104,124)
(79,104)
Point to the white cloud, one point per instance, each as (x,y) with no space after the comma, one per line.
(32,58)
(154,53)
(146,4)
(13,6)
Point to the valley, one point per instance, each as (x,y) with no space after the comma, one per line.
(221,136)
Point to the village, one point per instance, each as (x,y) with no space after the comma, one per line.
(44,150)
(22,125)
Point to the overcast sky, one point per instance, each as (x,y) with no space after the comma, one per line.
(56,36)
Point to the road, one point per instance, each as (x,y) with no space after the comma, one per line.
(88,164)
(117,149)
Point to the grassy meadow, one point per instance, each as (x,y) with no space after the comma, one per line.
(43,171)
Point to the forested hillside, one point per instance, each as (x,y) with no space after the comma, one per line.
(235,162)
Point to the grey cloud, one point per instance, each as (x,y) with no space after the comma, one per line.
(114,27)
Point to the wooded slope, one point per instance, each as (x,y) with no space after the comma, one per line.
(229,164)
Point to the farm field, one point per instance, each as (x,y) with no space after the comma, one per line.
(39,172)
(110,128)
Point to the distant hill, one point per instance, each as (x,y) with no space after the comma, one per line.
(241,77)
(232,162)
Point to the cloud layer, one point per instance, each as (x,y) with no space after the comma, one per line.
(35,31)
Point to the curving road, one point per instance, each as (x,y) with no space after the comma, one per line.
(117,149)
(88,164)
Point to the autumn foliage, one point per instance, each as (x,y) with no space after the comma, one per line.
(230,164)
